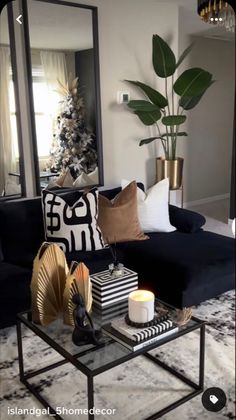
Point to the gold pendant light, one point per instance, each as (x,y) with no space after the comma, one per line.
(217,12)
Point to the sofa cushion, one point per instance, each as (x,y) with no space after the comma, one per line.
(153,207)
(73,227)
(22,232)
(186,220)
(111,193)
(183,270)
(182,219)
(118,219)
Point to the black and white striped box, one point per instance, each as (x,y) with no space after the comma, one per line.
(107,290)
(115,310)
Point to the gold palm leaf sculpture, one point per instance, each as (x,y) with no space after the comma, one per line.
(47,284)
(78,281)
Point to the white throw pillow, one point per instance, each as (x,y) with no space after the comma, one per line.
(153,207)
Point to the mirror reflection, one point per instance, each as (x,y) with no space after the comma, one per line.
(63,76)
(10,177)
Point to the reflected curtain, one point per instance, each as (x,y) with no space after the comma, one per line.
(54,68)
(7,158)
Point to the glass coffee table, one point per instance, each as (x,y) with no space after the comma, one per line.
(92,360)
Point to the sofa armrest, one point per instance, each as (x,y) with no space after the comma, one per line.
(186,220)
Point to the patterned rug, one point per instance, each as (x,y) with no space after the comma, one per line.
(135,389)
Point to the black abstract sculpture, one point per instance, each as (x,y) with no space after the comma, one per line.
(84,332)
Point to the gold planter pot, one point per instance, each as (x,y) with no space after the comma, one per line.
(172,169)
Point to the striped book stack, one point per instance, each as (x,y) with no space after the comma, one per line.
(107,290)
(137,338)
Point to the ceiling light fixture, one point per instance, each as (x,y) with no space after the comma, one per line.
(217,12)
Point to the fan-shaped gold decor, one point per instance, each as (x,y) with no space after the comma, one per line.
(78,281)
(47,284)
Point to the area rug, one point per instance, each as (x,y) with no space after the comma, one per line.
(135,389)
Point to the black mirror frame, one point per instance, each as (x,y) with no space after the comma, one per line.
(98,118)
(11,30)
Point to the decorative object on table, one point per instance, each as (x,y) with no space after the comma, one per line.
(136,338)
(84,332)
(141,306)
(116,268)
(118,219)
(77,280)
(108,291)
(48,281)
(189,87)
(153,207)
(183,316)
(179,316)
(73,145)
(73,225)
(218,12)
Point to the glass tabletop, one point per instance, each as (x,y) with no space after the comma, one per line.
(95,358)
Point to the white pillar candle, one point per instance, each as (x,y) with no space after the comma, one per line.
(141,306)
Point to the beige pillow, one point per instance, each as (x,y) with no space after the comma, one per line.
(118,219)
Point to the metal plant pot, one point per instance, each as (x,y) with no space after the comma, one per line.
(172,169)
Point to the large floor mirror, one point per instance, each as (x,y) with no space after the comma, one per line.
(63,56)
(11,169)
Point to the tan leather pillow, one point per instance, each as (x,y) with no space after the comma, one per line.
(118,219)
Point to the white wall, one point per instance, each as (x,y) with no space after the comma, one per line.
(210,124)
(125,36)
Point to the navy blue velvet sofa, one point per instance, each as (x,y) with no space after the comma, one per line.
(184,267)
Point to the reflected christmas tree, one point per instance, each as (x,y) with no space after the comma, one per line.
(73,146)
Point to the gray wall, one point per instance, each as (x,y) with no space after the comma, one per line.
(210,124)
(125,40)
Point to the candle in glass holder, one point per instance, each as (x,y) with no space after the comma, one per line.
(141,306)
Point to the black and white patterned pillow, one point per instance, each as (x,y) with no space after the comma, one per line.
(73,227)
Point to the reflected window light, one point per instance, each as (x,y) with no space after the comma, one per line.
(45,114)
(14,137)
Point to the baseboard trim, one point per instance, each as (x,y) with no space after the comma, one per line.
(207,200)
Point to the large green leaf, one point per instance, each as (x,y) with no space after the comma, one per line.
(155,97)
(148,118)
(149,140)
(141,105)
(180,134)
(173,119)
(189,102)
(192,82)
(163,58)
(184,54)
